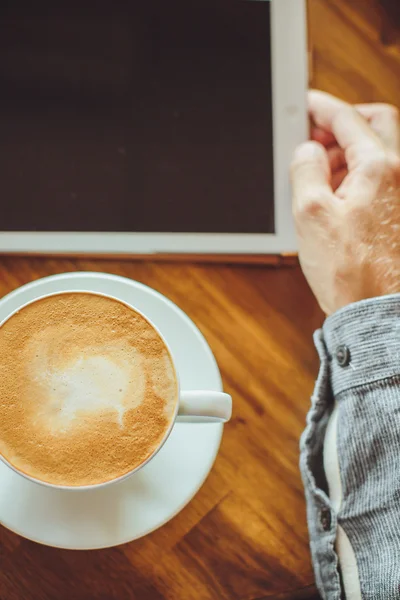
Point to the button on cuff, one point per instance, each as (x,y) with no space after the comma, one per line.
(342,355)
(326,519)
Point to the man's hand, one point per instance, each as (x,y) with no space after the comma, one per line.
(346,201)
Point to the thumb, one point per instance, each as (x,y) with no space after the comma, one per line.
(310,175)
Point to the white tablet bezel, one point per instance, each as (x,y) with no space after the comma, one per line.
(289,76)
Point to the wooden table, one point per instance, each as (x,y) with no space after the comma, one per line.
(244,536)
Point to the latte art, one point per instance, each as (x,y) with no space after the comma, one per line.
(87,389)
(97,379)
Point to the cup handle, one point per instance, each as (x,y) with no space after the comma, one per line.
(204,407)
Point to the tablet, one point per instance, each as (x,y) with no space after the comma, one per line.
(152,128)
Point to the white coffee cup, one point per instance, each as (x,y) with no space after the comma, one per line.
(193,406)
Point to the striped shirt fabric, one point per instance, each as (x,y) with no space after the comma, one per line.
(354,516)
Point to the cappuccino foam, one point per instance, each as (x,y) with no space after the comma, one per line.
(87,389)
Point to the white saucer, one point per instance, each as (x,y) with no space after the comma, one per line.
(128,510)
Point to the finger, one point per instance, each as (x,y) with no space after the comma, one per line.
(337,159)
(350,129)
(310,175)
(353,134)
(384,120)
(322,108)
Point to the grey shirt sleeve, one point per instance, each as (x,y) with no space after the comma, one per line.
(359,349)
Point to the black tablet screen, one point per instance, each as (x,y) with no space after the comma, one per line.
(136,116)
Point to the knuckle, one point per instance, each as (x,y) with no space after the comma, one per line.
(377,164)
(311,206)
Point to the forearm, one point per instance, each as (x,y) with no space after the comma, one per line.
(360,374)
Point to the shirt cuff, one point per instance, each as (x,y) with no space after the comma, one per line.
(363,342)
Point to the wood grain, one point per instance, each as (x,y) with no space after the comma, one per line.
(244,535)
(350,59)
